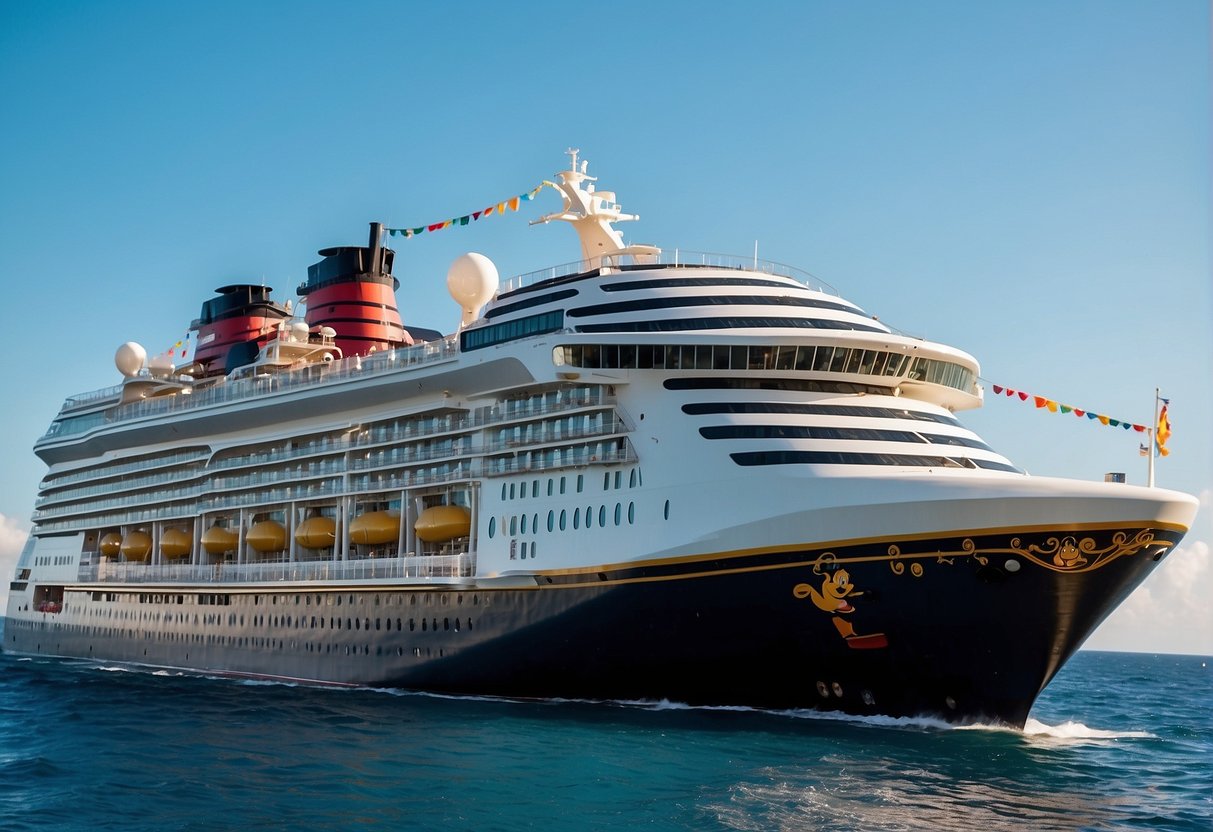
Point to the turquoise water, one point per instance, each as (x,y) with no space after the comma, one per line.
(1119,741)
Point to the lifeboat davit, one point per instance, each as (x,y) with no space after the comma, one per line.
(317,533)
(267,536)
(217,540)
(175,544)
(439,524)
(111,545)
(375,527)
(136,545)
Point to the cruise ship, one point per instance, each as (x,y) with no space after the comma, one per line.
(645,475)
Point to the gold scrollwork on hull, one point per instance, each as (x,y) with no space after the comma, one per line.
(899,567)
(1071,554)
(1059,553)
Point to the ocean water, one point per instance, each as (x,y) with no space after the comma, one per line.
(1117,742)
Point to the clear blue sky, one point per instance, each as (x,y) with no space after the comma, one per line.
(1028,181)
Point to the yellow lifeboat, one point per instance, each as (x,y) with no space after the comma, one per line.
(267,536)
(316,533)
(111,545)
(375,527)
(175,544)
(439,524)
(217,540)
(136,545)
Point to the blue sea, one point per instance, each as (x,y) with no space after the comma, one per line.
(1117,742)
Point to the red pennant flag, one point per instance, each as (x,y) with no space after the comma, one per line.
(475,215)
(1023,397)
(1041,401)
(997,389)
(1079,413)
(436,226)
(1139,428)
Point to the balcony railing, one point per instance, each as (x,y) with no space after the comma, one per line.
(443,568)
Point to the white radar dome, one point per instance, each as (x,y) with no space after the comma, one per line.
(129,358)
(472,280)
(299,331)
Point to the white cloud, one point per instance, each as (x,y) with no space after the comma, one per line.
(12,538)
(1172,611)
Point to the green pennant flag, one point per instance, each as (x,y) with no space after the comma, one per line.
(417,231)
(465,219)
(1065,408)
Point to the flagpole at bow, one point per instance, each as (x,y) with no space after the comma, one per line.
(1153,443)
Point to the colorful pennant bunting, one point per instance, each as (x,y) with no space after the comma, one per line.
(512,204)
(1044,403)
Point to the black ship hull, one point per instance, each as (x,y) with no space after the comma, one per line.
(965,627)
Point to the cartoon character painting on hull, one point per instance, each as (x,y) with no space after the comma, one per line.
(832,597)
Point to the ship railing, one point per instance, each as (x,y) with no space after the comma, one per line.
(409,567)
(228,390)
(578,457)
(679,258)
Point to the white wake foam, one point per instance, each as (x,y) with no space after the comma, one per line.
(1070,730)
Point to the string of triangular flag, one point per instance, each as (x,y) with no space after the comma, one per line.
(511,204)
(1057,407)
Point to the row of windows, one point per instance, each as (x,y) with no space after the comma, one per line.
(821,359)
(645,304)
(674,282)
(846,434)
(709,408)
(529,523)
(749,322)
(526,489)
(850,458)
(320,600)
(798,385)
(487,336)
(529,303)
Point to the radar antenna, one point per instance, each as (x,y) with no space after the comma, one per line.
(592,213)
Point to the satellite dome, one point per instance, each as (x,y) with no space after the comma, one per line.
(472,280)
(129,359)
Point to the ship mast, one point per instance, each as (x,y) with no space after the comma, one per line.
(591,213)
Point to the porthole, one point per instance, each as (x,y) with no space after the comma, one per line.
(618,514)
(631,513)
(534,523)
(632,479)
(524,524)
(576,518)
(618,480)
(563,515)
(551,520)
(667,509)
(492,526)
(602,516)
